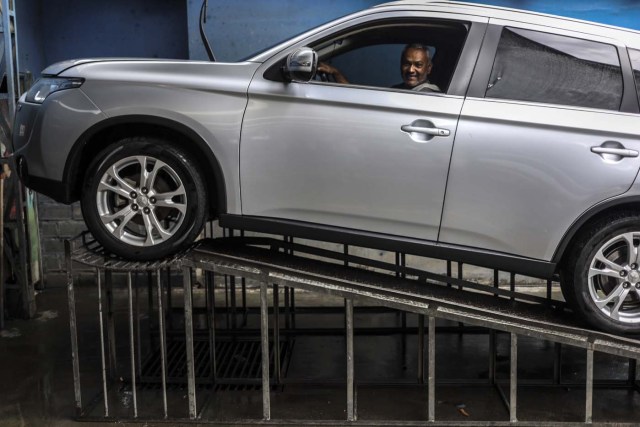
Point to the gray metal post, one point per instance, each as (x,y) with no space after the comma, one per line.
(588,415)
(431,354)
(102,347)
(132,347)
(211,313)
(513,398)
(73,328)
(420,349)
(276,334)
(188,326)
(351,400)
(264,335)
(163,343)
(111,327)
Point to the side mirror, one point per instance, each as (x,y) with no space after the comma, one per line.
(301,65)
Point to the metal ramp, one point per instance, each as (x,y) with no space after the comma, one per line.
(274,264)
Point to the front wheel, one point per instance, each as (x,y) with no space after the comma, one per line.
(144,199)
(606,275)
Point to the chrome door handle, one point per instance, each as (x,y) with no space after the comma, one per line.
(622,152)
(427,131)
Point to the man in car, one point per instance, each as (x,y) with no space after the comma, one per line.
(415,67)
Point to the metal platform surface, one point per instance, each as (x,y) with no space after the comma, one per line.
(243,257)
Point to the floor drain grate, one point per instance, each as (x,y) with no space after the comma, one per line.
(238,363)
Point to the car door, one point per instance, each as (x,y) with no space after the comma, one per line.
(351,155)
(549,129)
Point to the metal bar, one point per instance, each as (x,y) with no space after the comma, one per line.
(75,357)
(633,372)
(588,413)
(264,335)
(493,349)
(420,349)
(211,315)
(431,354)
(169,298)
(512,284)
(163,344)
(188,326)
(111,327)
(2,272)
(449,272)
(10,59)
(557,363)
(549,284)
(102,347)
(138,333)
(351,403)
(513,399)
(276,334)
(132,347)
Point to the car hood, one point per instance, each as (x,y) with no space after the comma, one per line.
(59,67)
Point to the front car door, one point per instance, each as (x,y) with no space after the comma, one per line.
(337,154)
(547,112)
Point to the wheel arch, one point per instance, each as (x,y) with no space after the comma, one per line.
(110,130)
(594,214)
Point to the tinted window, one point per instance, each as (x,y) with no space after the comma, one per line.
(541,67)
(635,62)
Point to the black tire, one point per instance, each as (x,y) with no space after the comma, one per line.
(154,222)
(615,275)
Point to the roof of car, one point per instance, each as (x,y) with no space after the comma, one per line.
(498,12)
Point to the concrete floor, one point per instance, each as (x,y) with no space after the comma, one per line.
(37,385)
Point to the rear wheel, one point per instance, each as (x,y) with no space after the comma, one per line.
(144,199)
(606,275)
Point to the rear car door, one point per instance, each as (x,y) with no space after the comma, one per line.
(337,154)
(550,128)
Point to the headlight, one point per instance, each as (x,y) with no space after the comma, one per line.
(48,85)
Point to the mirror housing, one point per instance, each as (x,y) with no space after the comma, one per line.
(301,65)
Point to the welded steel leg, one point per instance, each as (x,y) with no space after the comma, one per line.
(138,333)
(420,349)
(276,334)
(102,347)
(588,414)
(493,350)
(264,336)
(163,343)
(448,272)
(351,398)
(188,326)
(73,328)
(169,299)
(633,372)
(431,354)
(111,327)
(557,363)
(513,400)
(496,280)
(132,347)
(512,285)
(211,314)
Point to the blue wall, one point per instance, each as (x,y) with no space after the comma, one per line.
(236,28)
(53,30)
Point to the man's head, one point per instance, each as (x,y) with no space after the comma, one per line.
(415,64)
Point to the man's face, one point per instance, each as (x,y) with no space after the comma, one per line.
(415,67)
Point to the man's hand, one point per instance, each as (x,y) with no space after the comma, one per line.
(323,67)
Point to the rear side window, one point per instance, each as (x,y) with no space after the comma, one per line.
(635,63)
(541,67)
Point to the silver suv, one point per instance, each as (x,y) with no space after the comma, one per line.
(522,154)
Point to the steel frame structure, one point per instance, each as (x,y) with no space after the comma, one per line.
(275,263)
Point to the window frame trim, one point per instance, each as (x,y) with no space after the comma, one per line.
(464,68)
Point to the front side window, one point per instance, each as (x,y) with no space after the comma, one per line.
(635,63)
(417,56)
(548,68)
